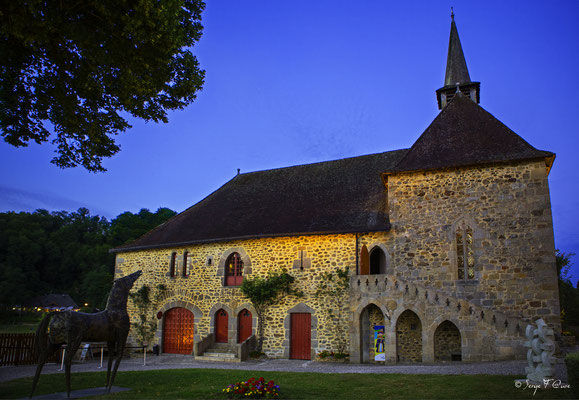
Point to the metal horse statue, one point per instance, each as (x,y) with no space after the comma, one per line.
(111,325)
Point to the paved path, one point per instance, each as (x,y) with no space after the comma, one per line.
(178,361)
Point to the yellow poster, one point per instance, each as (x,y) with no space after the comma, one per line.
(379,354)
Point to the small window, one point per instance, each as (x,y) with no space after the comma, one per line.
(464,252)
(172,264)
(377,261)
(234,270)
(186,263)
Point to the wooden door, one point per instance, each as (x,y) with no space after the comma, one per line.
(243,325)
(221,322)
(300,336)
(364,261)
(178,331)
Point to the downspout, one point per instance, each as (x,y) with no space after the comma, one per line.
(357,272)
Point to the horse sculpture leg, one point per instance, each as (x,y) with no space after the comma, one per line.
(121,340)
(43,355)
(71,348)
(112,350)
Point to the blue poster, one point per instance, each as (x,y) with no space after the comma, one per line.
(379,352)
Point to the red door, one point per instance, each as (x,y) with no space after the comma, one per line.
(243,325)
(221,321)
(178,331)
(364,261)
(300,338)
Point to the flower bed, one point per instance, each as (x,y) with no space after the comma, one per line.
(252,389)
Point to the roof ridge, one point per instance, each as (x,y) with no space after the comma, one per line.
(441,135)
(321,162)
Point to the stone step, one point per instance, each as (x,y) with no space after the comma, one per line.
(216,359)
(221,345)
(211,353)
(223,350)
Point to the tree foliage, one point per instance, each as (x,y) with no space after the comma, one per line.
(62,252)
(79,67)
(264,292)
(334,288)
(568,295)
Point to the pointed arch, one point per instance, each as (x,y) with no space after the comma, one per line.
(447,342)
(409,337)
(465,236)
(380,260)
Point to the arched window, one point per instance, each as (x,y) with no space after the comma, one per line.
(172,264)
(464,251)
(234,270)
(377,261)
(186,263)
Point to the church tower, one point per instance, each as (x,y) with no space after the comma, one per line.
(457,77)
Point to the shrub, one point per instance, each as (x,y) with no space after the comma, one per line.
(323,354)
(252,389)
(256,354)
(572,362)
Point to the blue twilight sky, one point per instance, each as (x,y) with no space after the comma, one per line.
(292,82)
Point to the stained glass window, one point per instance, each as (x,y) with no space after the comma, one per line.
(464,251)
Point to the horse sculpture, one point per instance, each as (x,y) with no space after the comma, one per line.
(111,325)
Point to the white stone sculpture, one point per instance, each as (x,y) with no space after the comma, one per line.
(541,347)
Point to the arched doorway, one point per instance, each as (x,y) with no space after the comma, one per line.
(447,345)
(221,326)
(408,337)
(370,317)
(178,324)
(377,261)
(244,325)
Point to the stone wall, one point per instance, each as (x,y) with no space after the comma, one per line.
(447,345)
(409,337)
(508,208)
(203,292)
(507,205)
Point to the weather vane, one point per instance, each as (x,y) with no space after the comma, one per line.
(451,13)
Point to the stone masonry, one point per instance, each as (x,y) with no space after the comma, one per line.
(507,207)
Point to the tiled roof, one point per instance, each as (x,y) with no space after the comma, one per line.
(338,196)
(466,134)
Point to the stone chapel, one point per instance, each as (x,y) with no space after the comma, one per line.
(449,247)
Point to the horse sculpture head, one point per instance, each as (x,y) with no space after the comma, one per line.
(120,291)
(129,280)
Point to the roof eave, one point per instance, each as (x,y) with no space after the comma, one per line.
(548,162)
(247,237)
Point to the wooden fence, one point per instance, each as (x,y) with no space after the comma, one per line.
(18,349)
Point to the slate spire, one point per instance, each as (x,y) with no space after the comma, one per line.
(457,77)
(456,70)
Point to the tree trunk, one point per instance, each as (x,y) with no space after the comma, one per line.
(260,329)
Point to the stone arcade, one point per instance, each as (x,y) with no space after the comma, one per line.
(449,245)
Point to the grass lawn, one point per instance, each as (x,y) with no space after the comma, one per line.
(208,383)
(14,323)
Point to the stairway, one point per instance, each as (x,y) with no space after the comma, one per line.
(221,352)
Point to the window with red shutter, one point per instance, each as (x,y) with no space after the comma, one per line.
(234,270)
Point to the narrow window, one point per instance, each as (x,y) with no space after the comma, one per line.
(186,263)
(234,270)
(464,252)
(377,261)
(172,265)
